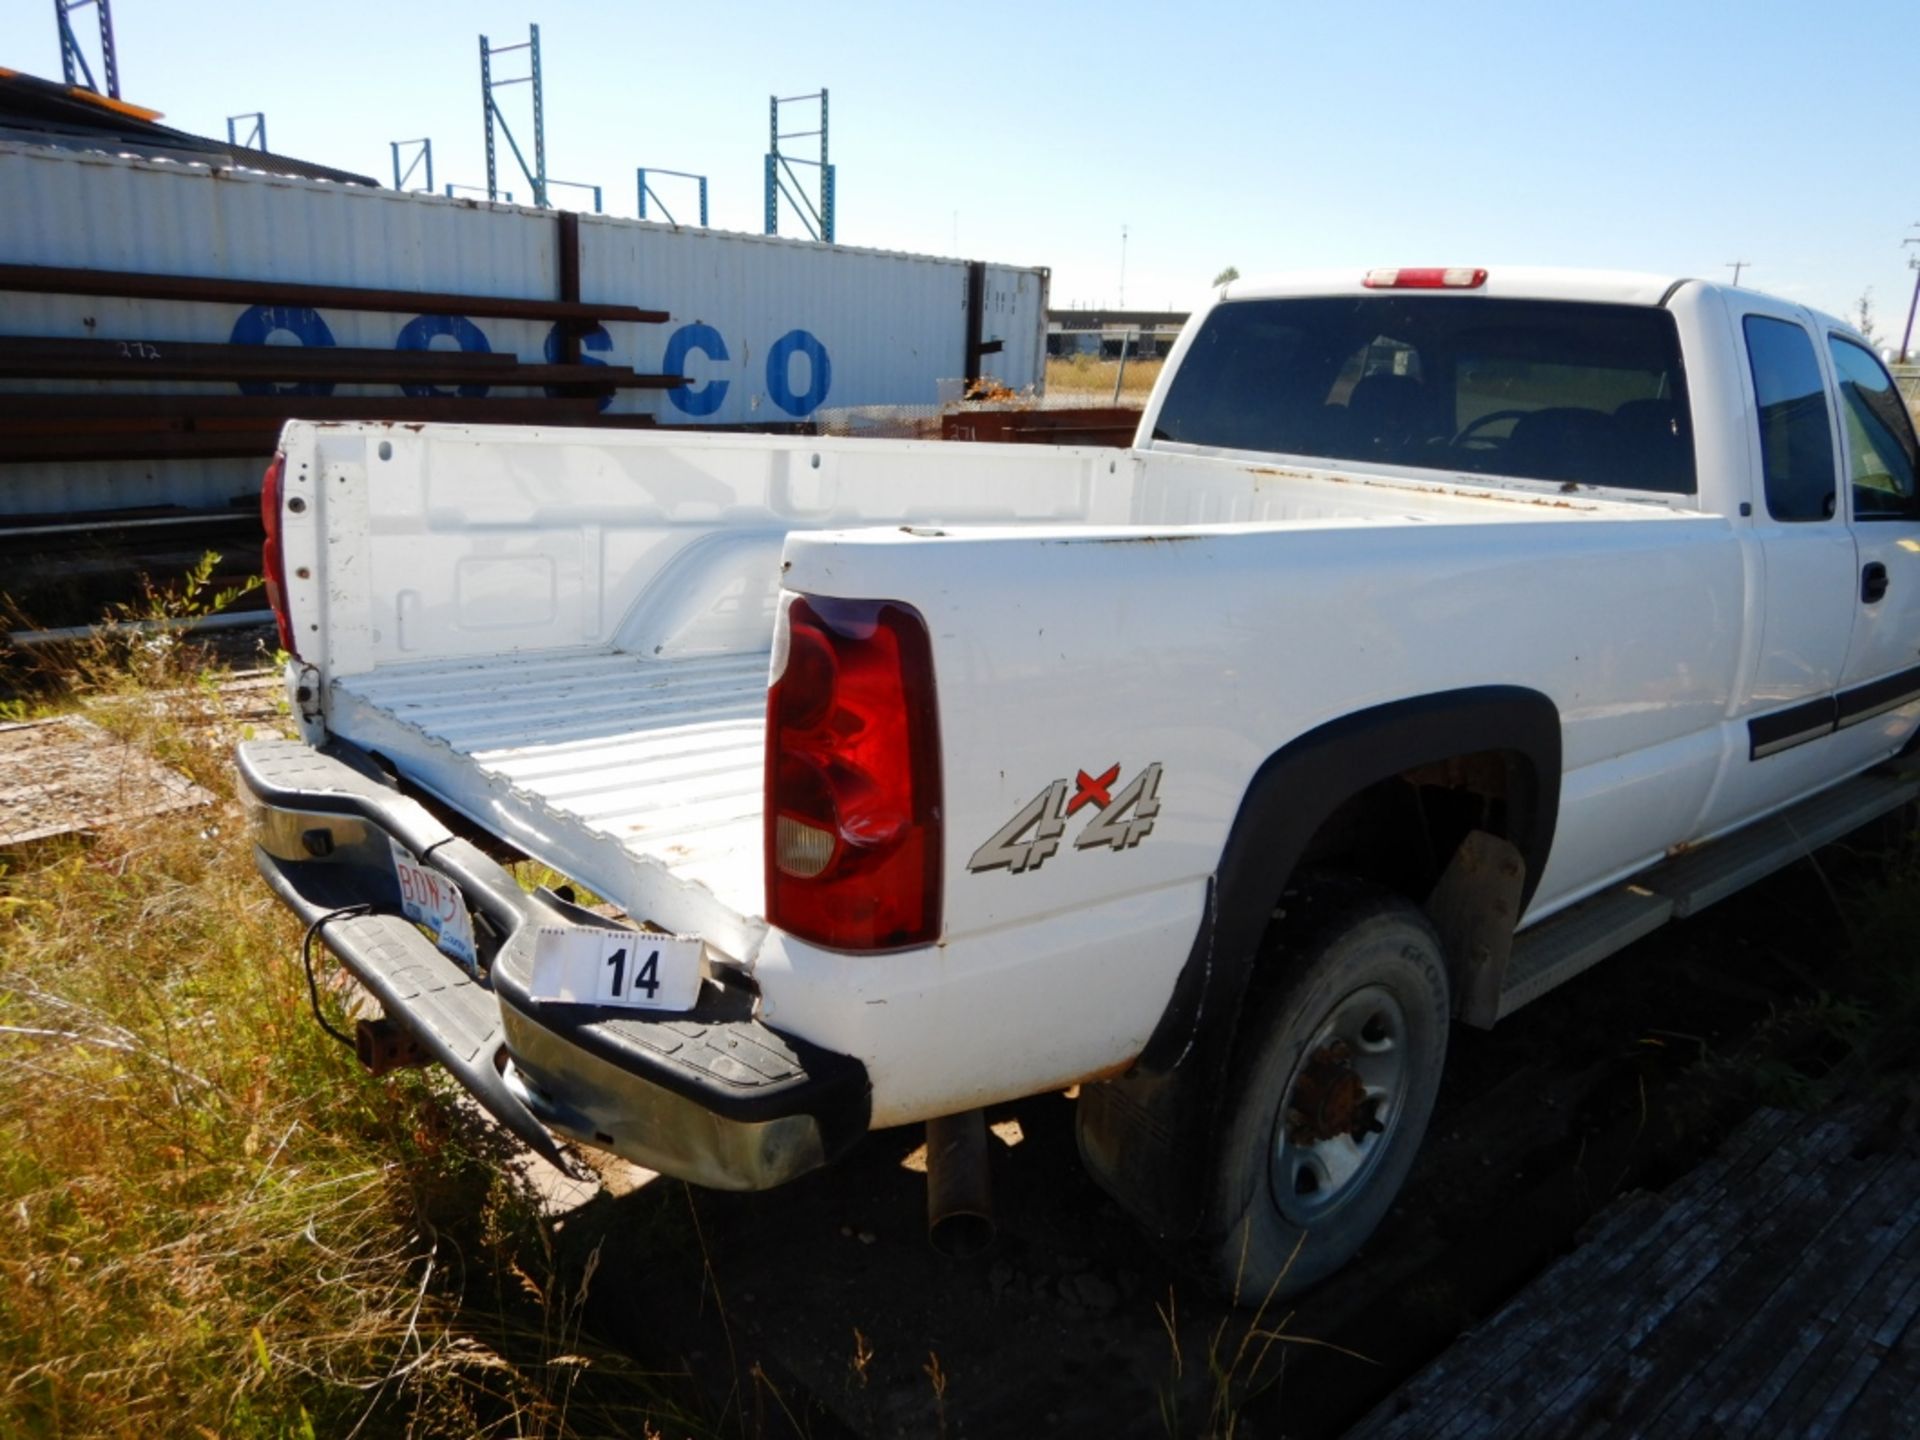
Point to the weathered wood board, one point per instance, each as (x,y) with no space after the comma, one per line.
(64,775)
(1773,1291)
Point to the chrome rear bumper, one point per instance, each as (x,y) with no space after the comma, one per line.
(711,1096)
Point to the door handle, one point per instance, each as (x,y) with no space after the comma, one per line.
(1873,583)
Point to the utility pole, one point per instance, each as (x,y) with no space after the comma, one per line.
(1906,340)
(1123,267)
(1737,266)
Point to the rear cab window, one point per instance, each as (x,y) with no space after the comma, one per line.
(1882,456)
(1591,394)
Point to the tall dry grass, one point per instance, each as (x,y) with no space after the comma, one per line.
(212,1222)
(1085,375)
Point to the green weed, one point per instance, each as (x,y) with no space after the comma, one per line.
(1857,1026)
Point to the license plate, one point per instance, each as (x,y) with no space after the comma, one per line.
(428,898)
(635,969)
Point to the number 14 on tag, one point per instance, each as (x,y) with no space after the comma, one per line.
(635,968)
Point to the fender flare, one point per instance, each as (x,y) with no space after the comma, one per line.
(1147,1135)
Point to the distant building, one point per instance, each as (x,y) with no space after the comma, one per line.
(1144,333)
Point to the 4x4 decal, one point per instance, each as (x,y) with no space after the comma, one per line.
(1121,820)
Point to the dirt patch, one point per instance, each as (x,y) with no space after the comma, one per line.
(58,776)
(820,1309)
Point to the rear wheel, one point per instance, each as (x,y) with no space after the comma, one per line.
(1339,1059)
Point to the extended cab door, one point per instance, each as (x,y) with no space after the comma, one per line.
(1810,572)
(1882,672)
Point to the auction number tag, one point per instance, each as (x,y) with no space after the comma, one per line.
(634,968)
(431,899)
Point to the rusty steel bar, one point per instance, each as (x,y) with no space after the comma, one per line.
(25,348)
(45,449)
(226,620)
(570,332)
(33,535)
(24,441)
(315,365)
(204,411)
(976,319)
(138,285)
(65,409)
(1082,425)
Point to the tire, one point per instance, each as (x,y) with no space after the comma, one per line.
(1349,1035)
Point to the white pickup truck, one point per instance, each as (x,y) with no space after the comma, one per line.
(1442,632)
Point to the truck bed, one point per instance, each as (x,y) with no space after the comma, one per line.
(613,768)
(565,636)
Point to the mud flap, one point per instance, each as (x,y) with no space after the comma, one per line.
(1475,907)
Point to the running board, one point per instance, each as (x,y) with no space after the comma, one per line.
(1554,951)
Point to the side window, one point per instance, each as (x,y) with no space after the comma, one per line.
(1881,454)
(1796,442)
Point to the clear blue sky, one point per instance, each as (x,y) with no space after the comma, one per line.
(1674,136)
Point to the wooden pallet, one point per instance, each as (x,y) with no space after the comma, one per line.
(1773,1291)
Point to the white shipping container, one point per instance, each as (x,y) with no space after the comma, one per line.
(767,329)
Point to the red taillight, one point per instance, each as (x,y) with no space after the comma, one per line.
(853,827)
(1428,278)
(273,564)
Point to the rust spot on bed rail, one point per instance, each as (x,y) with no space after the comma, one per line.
(1436,487)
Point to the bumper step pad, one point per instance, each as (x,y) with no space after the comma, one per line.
(455,1019)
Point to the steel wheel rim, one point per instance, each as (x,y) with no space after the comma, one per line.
(1312,1175)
